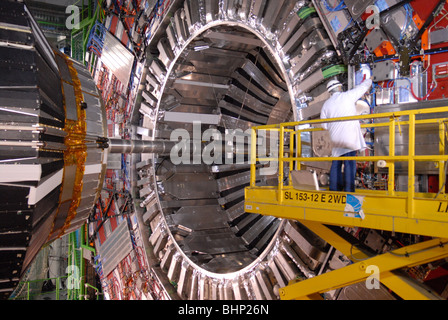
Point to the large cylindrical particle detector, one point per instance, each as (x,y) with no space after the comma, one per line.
(227,62)
(50,166)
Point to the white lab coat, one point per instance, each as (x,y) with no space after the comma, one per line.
(346,136)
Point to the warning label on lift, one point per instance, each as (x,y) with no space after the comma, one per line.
(353,208)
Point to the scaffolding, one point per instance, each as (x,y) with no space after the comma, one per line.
(72,285)
(77,282)
(407,211)
(90,15)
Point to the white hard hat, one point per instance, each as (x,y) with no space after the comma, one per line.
(333,84)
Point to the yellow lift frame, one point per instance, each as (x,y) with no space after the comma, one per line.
(406,212)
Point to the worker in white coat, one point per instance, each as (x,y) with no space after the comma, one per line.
(346,136)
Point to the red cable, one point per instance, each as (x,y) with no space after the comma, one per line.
(425,97)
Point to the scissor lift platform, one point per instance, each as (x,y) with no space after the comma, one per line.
(410,212)
(374,210)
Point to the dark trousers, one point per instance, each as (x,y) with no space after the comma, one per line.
(343,181)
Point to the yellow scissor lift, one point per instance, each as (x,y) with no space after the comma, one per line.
(408,212)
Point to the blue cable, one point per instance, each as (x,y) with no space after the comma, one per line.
(348,24)
(339,7)
(156,9)
(408,19)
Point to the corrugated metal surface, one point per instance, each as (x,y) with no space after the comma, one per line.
(117,246)
(117,58)
(50,201)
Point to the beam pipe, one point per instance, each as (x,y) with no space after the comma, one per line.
(161,147)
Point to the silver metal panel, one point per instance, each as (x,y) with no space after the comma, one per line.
(157,69)
(193,286)
(192,13)
(250,236)
(167,257)
(191,186)
(244,9)
(288,31)
(426,140)
(116,247)
(166,54)
(426,143)
(237,290)
(308,251)
(382,71)
(258,293)
(117,58)
(272,11)
(214,61)
(258,7)
(149,98)
(359,291)
(152,81)
(219,242)
(171,36)
(20,172)
(310,82)
(235,211)
(185,274)
(374,39)
(246,114)
(233,181)
(174,270)
(307,57)
(285,265)
(47,51)
(63,69)
(439,36)
(261,79)
(231,197)
(395,21)
(357,7)
(94,128)
(87,84)
(249,100)
(246,221)
(235,9)
(276,272)
(235,38)
(265,284)
(269,233)
(70,102)
(304,30)
(181,25)
(304,180)
(200,218)
(262,95)
(93,111)
(211,10)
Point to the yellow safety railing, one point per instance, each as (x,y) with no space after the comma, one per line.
(390,120)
